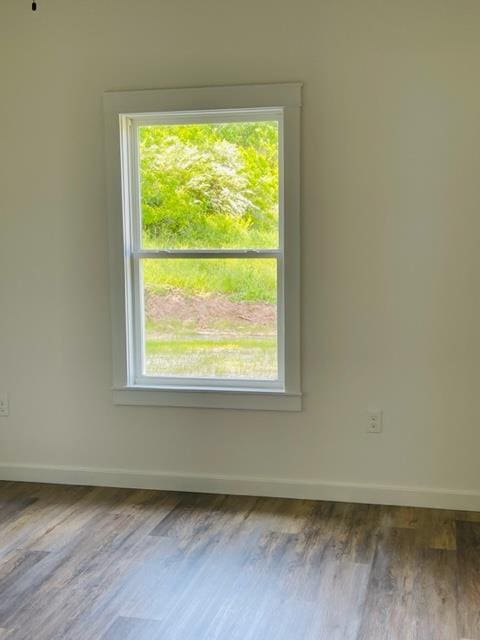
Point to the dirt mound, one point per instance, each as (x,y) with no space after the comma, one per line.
(203,309)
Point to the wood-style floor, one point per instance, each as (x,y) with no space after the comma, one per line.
(82,563)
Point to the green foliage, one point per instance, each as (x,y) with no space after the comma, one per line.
(182,345)
(240,279)
(235,357)
(210,185)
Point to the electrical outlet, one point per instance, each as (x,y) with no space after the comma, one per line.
(4,405)
(375,422)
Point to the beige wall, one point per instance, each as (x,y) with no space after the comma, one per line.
(391,226)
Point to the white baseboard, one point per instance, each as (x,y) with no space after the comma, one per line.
(465,500)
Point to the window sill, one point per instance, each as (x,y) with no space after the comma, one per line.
(252,400)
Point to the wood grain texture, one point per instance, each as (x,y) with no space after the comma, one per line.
(468,541)
(89,563)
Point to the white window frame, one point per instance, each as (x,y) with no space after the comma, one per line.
(125,112)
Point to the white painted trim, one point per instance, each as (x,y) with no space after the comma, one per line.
(123,111)
(243,399)
(203,98)
(414,496)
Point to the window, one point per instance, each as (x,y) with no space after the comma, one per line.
(204,231)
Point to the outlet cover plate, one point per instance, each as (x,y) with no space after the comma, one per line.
(4,405)
(375,421)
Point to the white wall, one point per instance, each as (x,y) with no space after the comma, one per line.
(391,226)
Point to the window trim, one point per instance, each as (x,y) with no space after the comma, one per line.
(121,109)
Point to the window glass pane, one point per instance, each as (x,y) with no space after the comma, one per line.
(209,185)
(211,318)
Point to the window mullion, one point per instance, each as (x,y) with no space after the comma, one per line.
(206,253)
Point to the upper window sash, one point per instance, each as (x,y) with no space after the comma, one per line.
(129,127)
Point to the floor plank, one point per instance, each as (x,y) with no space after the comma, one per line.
(133,629)
(468,552)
